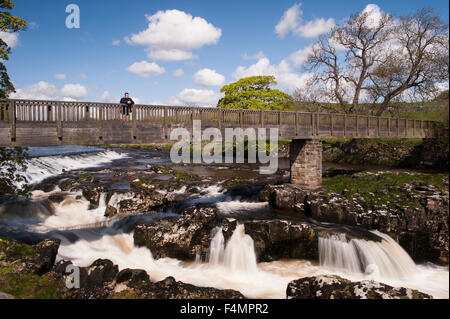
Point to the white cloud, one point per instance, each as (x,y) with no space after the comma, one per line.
(32,25)
(171,35)
(83,76)
(139,100)
(291,21)
(194,97)
(47,91)
(441,86)
(315,28)
(283,73)
(299,57)
(144,69)
(60,76)
(257,56)
(106,97)
(76,91)
(374,15)
(116,42)
(208,77)
(171,55)
(171,100)
(178,73)
(11,39)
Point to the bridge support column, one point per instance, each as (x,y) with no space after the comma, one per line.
(306,162)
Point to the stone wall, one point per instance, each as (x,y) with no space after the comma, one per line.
(306,163)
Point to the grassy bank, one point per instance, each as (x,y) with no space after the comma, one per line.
(388,189)
(395,152)
(19,280)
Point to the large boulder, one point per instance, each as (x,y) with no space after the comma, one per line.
(335,287)
(421,229)
(46,255)
(38,259)
(189,236)
(169,288)
(277,239)
(182,238)
(102,280)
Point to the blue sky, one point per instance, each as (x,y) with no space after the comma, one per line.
(212,42)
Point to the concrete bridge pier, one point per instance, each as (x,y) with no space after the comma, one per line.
(306,162)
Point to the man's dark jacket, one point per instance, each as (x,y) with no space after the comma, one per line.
(125,100)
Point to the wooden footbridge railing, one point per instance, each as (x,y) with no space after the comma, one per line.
(35,122)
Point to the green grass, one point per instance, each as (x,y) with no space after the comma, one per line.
(28,285)
(382,189)
(84,176)
(181,175)
(162,169)
(20,283)
(18,248)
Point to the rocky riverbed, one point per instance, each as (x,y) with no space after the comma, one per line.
(141,228)
(415,212)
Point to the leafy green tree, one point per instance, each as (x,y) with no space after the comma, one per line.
(12,160)
(254,93)
(8,23)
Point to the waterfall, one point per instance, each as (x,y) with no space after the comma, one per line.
(216,247)
(237,255)
(383,259)
(39,168)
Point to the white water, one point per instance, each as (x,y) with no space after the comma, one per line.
(232,264)
(228,207)
(39,168)
(237,256)
(385,261)
(379,260)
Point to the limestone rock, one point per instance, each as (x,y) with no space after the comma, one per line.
(335,287)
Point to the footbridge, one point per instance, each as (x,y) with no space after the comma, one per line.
(49,123)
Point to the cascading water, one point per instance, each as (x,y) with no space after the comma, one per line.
(40,168)
(231,264)
(216,247)
(379,260)
(238,255)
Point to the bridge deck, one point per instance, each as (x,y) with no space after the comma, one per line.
(30,122)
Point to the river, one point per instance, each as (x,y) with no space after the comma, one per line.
(86,234)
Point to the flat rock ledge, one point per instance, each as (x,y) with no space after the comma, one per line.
(335,287)
(30,271)
(422,230)
(188,237)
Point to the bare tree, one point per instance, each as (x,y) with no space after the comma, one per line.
(418,59)
(344,76)
(375,58)
(363,36)
(328,79)
(311,98)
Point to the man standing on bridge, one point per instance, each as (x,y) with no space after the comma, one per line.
(127,104)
